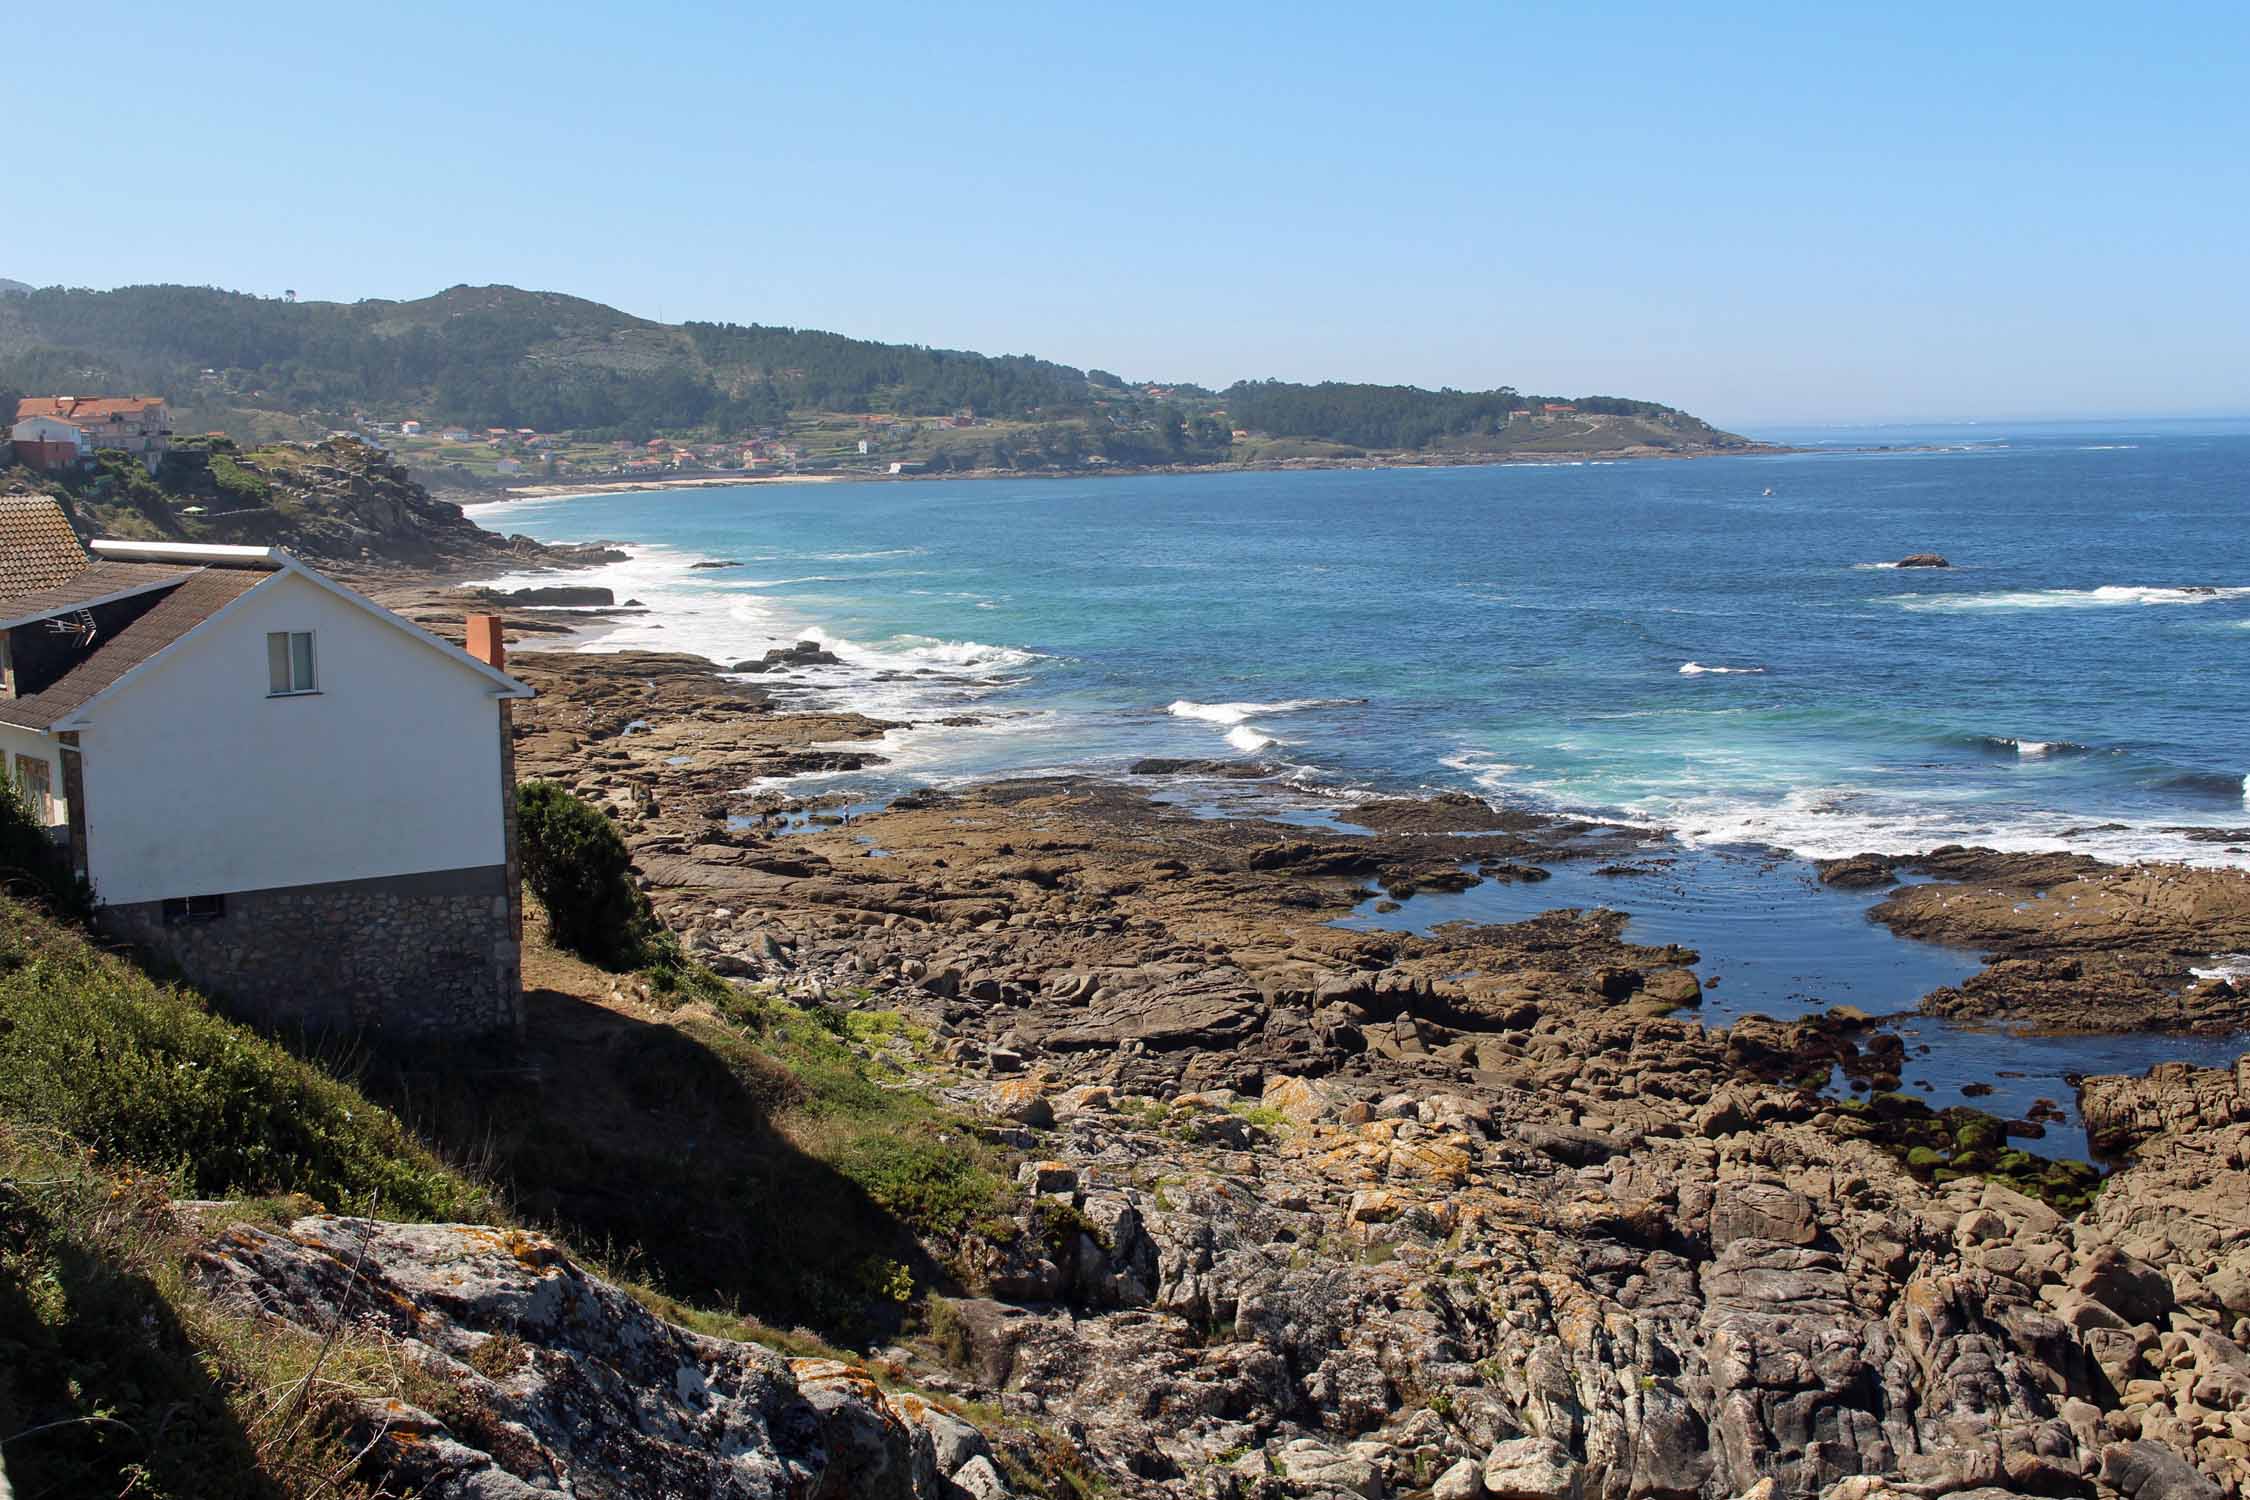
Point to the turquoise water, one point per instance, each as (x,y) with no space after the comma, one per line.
(1655,643)
(1662,642)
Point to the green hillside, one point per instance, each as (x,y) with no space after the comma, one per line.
(480,357)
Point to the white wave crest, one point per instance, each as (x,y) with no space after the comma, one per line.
(1832,822)
(974,655)
(2108,596)
(1485,769)
(1697,669)
(1235,713)
(1248,740)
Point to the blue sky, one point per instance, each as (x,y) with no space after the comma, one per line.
(1763,213)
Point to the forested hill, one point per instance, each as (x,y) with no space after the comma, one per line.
(478,357)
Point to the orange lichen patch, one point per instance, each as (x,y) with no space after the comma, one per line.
(1431,1161)
(830,1374)
(535,1253)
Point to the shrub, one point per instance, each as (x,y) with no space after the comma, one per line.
(32,864)
(147,1076)
(238,484)
(935,1187)
(576,862)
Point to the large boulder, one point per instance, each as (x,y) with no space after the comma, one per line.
(1761,1211)
(1923,560)
(2133,1289)
(555,1371)
(1531,1468)
(2151,1471)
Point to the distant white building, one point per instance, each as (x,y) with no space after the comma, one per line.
(410,428)
(49,443)
(299,799)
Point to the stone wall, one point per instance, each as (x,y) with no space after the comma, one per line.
(408,956)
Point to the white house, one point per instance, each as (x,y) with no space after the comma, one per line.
(50,443)
(298,799)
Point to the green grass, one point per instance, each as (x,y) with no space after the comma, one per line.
(761,1157)
(148,1077)
(119,1376)
(925,1167)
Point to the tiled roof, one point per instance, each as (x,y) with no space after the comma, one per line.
(96,581)
(37,547)
(200,596)
(84,408)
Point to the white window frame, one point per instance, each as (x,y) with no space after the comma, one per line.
(288,639)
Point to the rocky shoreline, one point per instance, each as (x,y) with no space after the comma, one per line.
(1482,1210)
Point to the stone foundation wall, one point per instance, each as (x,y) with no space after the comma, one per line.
(409,956)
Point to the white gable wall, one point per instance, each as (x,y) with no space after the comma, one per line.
(198,783)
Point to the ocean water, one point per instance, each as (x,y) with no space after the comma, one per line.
(1660,642)
(1715,648)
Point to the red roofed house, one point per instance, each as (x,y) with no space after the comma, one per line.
(50,443)
(295,797)
(139,425)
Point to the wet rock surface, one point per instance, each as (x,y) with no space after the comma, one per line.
(2077,945)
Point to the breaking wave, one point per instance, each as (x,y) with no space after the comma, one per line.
(973,655)
(1697,669)
(2108,596)
(2001,744)
(1248,740)
(1235,713)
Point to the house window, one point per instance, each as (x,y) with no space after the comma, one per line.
(179,909)
(36,789)
(289,663)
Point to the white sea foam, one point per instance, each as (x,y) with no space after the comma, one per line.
(2032,749)
(2227,966)
(1248,740)
(775,583)
(2108,596)
(1832,822)
(1697,669)
(1487,770)
(1235,713)
(924,650)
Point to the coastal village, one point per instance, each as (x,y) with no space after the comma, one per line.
(63,433)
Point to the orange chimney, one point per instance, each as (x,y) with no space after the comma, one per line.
(485,643)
